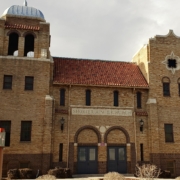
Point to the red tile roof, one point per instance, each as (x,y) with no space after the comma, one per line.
(97,72)
(22,26)
(142,113)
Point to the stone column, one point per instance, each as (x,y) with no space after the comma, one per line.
(47,134)
(21,47)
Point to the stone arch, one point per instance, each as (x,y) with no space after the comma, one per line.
(14,31)
(87,127)
(29,33)
(118,128)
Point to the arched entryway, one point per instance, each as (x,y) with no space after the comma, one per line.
(117,138)
(87,139)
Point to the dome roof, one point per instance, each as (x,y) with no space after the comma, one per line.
(23,11)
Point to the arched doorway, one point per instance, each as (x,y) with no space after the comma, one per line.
(87,139)
(116,139)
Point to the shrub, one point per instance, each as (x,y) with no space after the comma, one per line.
(113,176)
(60,172)
(147,171)
(47,177)
(13,174)
(25,173)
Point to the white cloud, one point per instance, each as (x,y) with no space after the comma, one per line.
(104,29)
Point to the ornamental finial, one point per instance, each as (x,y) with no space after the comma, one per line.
(25,3)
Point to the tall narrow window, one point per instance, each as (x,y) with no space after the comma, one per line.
(13,43)
(60,152)
(29,82)
(116,98)
(179,88)
(166,86)
(29,44)
(138,99)
(7,82)
(7,126)
(62,97)
(142,152)
(26,130)
(168,128)
(88,97)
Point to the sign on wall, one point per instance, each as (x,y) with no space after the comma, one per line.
(101,112)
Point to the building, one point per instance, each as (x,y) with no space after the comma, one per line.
(92,116)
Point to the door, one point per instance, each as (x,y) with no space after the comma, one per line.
(87,160)
(117,160)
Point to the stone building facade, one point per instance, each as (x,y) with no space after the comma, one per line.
(92,116)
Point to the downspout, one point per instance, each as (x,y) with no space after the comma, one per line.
(68,122)
(135,133)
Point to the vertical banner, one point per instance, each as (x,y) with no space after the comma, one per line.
(2,137)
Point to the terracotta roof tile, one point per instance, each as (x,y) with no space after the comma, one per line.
(22,26)
(142,113)
(97,72)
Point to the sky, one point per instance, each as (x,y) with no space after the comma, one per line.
(104,29)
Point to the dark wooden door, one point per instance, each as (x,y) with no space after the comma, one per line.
(117,160)
(87,160)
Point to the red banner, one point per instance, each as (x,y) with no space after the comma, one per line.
(2,130)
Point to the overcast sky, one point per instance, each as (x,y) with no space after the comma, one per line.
(104,29)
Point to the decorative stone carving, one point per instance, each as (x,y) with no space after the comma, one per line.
(172,57)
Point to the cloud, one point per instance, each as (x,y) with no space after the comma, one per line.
(105,29)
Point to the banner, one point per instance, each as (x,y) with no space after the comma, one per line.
(2,139)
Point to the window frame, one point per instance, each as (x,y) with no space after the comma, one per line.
(166,86)
(22,138)
(139,99)
(167,134)
(116,98)
(62,96)
(88,97)
(7,84)
(28,83)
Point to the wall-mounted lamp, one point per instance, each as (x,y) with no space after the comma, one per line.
(62,123)
(141,122)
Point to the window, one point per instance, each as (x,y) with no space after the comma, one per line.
(29,81)
(138,99)
(88,97)
(172,63)
(13,43)
(29,44)
(7,82)
(142,152)
(7,126)
(24,164)
(171,166)
(26,130)
(116,98)
(166,86)
(168,133)
(179,88)
(60,152)
(62,97)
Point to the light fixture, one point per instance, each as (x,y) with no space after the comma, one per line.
(141,122)
(62,123)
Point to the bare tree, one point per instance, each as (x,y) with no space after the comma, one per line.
(147,171)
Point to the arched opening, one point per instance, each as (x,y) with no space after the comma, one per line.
(29,45)
(13,43)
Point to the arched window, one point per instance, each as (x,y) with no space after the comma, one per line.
(166,86)
(29,45)
(13,43)
(62,97)
(138,95)
(116,98)
(88,97)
